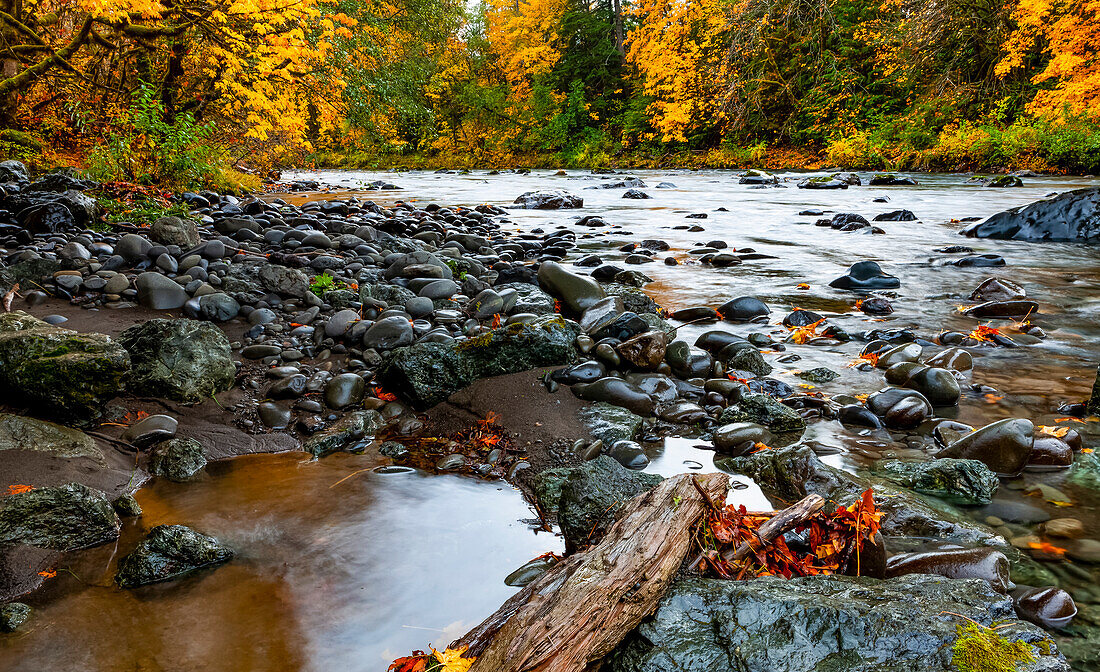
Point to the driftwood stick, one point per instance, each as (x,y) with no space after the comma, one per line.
(580,609)
(782,521)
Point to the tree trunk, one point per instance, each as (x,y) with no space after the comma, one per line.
(579,610)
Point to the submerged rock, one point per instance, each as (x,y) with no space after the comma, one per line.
(349,429)
(180,359)
(958,481)
(820,624)
(427,373)
(1071,216)
(58,371)
(591,496)
(1050,607)
(168,552)
(63,518)
(13,615)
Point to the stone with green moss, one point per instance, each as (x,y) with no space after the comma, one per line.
(427,373)
(22,433)
(64,518)
(830,624)
(610,423)
(958,481)
(350,429)
(764,410)
(58,371)
(13,615)
(982,649)
(170,551)
(181,359)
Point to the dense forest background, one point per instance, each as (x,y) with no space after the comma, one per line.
(177,91)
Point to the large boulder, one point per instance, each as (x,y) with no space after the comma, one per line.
(167,553)
(58,371)
(577,292)
(592,494)
(826,624)
(175,231)
(789,474)
(64,518)
(180,359)
(1071,216)
(427,373)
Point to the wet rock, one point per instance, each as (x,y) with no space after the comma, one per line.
(820,375)
(427,373)
(896,216)
(169,552)
(876,305)
(13,171)
(592,494)
(610,423)
(21,433)
(576,292)
(891,180)
(345,389)
(763,410)
(585,372)
(1049,453)
(822,182)
(958,481)
(987,564)
(997,289)
(150,430)
(757,177)
(939,386)
(63,518)
(748,359)
(636,194)
(858,416)
(1066,528)
(282,280)
(127,506)
(956,359)
(820,623)
(180,359)
(979,261)
(273,415)
(1002,309)
(1070,216)
(388,333)
(865,275)
(548,199)
(159,292)
(218,307)
(618,392)
(645,351)
(349,429)
(177,459)
(1003,446)
(900,409)
(739,438)
(1050,608)
(58,371)
(629,454)
(13,614)
(743,309)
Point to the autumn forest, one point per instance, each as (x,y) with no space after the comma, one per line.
(181,91)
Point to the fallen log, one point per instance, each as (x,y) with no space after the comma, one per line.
(580,609)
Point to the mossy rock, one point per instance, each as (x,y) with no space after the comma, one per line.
(58,371)
(764,410)
(958,481)
(610,423)
(21,433)
(427,373)
(170,551)
(181,359)
(64,518)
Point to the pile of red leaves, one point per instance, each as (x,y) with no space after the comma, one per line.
(832,542)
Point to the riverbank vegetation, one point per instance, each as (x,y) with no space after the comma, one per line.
(181,93)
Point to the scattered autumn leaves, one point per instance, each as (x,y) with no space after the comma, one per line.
(829,542)
(448,660)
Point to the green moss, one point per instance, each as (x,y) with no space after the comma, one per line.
(981,649)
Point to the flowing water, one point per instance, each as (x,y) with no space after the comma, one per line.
(348,576)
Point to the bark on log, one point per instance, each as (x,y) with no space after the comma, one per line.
(581,608)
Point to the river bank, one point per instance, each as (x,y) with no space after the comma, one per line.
(445,341)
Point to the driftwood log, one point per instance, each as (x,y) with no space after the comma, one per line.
(580,609)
